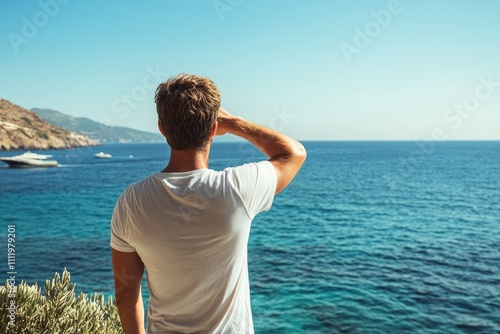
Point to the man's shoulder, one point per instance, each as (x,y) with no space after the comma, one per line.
(254,184)
(250,174)
(253,171)
(138,185)
(251,166)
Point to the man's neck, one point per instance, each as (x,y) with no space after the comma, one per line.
(187,160)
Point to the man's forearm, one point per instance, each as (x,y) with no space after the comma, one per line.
(131,315)
(286,154)
(272,143)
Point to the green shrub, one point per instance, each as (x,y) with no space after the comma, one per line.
(42,135)
(26,120)
(58,311)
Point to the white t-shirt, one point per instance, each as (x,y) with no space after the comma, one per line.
(191,232)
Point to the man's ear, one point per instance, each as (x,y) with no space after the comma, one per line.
(214,130)
(161,130)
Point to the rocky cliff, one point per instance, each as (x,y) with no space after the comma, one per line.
(98,131)
(23,129)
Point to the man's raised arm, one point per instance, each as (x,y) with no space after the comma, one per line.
(286,154)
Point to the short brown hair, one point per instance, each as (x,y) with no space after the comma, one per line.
(187,107)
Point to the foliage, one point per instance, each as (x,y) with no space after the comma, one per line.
(26,120)
(42,135)
(58,311)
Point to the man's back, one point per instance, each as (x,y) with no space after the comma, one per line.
(188,225)
(191,230)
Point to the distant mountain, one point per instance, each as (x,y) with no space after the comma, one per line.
(97,131)
(23,129)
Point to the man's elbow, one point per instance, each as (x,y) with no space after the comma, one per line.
(126,297)
(122,300)
(300,153)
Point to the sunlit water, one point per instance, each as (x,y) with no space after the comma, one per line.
(371,237)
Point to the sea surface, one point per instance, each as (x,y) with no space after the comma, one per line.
(371,237)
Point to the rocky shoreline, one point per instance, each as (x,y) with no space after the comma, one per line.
(21,129)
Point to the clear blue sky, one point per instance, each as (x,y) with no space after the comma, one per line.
(317,70)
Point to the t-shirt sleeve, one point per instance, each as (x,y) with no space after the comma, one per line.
(256,184)
(118,227)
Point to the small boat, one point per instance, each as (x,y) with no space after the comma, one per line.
(102,155)
(29,159)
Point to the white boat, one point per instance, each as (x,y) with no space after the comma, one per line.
(29,159)
(103,155)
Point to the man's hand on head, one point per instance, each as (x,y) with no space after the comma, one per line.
(286,154)
(225,122)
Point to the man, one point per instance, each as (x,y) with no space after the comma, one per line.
(189,225)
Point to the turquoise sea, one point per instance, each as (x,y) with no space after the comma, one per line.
(371,237)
